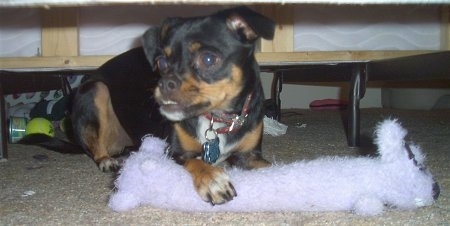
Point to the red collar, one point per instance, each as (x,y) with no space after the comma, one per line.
(233,122)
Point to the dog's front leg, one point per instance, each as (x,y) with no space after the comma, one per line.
(212,183)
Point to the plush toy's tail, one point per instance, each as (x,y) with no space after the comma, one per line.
(390,137)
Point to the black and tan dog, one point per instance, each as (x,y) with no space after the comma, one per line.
(203,75)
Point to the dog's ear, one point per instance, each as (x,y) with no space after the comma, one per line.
(248,23)
(151,43)
(151,39)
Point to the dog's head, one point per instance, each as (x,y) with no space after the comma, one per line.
(206,63)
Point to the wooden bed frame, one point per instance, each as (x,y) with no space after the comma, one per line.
(60,49)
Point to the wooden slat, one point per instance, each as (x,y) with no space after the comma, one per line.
(59,32)
(53,63)
(292,58)
(264,59)
(284,30)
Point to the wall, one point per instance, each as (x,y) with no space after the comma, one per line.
(357,28)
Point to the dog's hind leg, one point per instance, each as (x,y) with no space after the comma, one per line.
(112,138)
(99,130)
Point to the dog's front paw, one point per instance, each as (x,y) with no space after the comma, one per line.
(215,187)
(108,165)
(212,183)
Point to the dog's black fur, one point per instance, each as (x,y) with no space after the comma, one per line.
(189,70)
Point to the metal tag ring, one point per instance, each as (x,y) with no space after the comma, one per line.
(209,131)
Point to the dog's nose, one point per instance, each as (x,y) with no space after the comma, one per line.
(168,85)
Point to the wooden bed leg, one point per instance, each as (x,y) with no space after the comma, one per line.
(277,85)
(358,88)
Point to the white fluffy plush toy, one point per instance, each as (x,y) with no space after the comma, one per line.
(396,178)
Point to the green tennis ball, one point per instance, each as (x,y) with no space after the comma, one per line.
(40,125)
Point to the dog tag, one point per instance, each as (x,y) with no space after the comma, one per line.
(211,151)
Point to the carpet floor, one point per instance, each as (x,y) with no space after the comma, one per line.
(41,187)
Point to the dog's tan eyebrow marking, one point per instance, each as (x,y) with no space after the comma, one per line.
(194,46)
(168,51)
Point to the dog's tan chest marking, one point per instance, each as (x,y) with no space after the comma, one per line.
(250,140)
(247,145)
(187,142)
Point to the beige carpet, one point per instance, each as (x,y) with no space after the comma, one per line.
(40,187)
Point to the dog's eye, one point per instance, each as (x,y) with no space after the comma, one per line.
(162,63)
(208,59)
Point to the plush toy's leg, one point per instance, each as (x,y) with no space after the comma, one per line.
(368,206)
